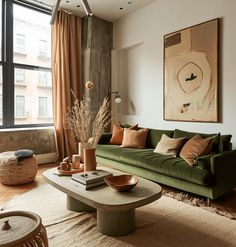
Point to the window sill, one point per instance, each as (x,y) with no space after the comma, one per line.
(21,84)
(21,117)
(44,87)
(44,117)
(45,58)
(20,53)
(26,128)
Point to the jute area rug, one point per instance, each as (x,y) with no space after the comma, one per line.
(225,205)
(166,222)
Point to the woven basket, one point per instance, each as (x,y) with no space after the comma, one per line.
(13,172)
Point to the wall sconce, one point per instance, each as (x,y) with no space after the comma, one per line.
(117,97)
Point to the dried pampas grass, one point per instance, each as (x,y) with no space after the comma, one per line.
(86,128)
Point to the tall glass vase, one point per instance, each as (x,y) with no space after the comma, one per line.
(90,163)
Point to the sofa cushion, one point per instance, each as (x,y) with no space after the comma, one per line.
(105,138)
(196,147)
(134,138)
(24,154)
(217,145)
(178,168)
(169,146)
(226,144)
(145,158)
(109,151)
(154,136)
(117,135)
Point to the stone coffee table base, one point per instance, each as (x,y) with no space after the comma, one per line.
(111,223)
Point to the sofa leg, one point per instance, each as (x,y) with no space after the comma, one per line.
(208,202)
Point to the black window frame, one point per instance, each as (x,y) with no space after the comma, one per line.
(8,66)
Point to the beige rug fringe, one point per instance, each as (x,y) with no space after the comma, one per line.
(197,202)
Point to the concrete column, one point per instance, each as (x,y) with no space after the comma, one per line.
(97,46)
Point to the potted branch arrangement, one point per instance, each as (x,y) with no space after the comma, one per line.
(88,126)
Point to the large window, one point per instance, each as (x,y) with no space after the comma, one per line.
(26,80)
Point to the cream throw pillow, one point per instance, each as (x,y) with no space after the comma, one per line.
(134,138)
(169,146)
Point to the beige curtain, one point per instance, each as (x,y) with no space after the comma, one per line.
(66,74)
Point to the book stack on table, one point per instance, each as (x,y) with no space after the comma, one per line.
(91,179)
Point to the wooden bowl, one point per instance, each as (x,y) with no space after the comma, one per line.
(122,182)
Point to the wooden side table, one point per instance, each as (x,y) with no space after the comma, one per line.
(22,228)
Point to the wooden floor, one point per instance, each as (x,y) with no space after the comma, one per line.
(7,192)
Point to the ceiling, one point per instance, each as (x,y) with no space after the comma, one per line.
(110,10)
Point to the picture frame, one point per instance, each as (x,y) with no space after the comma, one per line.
(191,73)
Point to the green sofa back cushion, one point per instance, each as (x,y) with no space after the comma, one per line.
(217,145)
(227,145)
(154,136)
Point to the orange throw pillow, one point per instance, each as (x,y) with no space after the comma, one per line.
(118,132)
(134,138)
(195,147)
(117,135)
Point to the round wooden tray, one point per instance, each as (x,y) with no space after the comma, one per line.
(68,173)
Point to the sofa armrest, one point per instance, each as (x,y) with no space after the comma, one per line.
(105,138)
(204,161)
(223,167)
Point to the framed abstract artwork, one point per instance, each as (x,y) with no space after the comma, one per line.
(191,58)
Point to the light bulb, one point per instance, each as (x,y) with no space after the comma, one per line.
(117,99)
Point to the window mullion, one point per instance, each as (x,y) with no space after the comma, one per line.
(8,74)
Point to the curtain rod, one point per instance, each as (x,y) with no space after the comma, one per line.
(54,12)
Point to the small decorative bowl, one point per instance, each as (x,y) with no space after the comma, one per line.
(122,182)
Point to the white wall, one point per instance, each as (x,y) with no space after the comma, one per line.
(137,65)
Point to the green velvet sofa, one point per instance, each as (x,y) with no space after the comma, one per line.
(213,176)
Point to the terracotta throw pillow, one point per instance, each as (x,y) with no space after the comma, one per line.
(169,146)
(118,132)
(117,135)
(195,147)
(134,138)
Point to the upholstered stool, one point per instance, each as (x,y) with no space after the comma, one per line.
(18,167)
